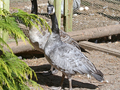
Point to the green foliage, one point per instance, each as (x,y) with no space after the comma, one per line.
(31,19)
(8,23)
(12,70)
(3,43)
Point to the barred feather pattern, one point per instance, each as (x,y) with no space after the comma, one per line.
(69,59)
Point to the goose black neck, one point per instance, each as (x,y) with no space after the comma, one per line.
(55,27)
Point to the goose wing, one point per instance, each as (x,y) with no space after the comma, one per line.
(67,39)
(70,60)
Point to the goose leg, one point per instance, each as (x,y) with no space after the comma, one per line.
(70,83)
(51,71)
(59,88)
(54,71)
(63,77)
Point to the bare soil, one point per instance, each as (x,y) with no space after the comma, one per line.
(100,13)
(108,64)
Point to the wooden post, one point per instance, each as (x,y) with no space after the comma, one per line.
(68,12)
(4,5)
(1,4)
(58,11)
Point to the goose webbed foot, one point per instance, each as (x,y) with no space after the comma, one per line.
(47,73)
(55,71)
(50,72)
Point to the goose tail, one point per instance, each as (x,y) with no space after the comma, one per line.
(98,75)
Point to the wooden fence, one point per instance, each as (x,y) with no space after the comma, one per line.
(68,12)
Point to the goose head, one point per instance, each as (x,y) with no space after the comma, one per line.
(50,9)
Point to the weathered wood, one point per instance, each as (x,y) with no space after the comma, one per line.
(68,12)
(95,32)
(1,4)
(21,47)
(89,45)
(6,5)
(113,29)
(58,11)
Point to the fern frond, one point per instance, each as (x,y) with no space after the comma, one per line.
(31,20)
(1,12)
(12,70)
(3,43)
(9,24)
(13,73)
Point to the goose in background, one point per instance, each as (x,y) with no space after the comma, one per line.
(65,57)
(34,8)
(76,5)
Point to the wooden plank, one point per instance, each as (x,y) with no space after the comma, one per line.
(89,45)
(65,7)
(21,47)
(68,11)
(6,5)
(1,4)
(58,11)
(95,32)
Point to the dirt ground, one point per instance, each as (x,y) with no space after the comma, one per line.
(101,13)
(108,64)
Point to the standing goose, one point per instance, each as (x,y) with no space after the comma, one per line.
(65,57)
(39,40)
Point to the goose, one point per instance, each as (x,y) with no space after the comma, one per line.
(65,57)
(39,40)
(34,8)
(76,5)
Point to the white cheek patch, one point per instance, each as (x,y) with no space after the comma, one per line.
(53,10)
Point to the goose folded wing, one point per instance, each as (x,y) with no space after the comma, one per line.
(70,60)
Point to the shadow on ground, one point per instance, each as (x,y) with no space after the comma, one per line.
(54,80)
